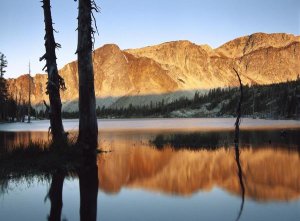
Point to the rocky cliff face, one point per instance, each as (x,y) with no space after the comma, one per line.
(174,69)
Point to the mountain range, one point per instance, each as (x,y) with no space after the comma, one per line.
(173,69)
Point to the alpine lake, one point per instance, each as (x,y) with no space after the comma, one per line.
(166,169)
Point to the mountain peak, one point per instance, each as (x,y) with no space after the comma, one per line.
(247,44)
(108,48)
(174,69)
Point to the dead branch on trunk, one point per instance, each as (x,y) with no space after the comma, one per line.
(48,114)
(55,82)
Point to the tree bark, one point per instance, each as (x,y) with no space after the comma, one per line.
(88,128)
(55,82)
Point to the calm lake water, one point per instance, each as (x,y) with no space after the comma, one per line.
(145,178)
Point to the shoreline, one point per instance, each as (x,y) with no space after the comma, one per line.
(163,124)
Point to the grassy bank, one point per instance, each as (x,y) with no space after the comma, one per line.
(210,141)
(40,158)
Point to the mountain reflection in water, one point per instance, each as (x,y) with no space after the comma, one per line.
(268,162)
(268,174)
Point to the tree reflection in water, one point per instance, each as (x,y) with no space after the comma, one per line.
(240,176)
(55,196)
(88,185)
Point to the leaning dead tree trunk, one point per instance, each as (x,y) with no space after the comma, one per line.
(88,128)
(236,145)
(238,110)
(55,82)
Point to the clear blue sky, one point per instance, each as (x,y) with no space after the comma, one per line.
(138,23)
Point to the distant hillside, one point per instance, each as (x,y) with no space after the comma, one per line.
(174,69)
(280,100)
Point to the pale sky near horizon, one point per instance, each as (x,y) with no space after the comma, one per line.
(138,23)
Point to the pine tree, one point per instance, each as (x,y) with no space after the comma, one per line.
(3,64)
(3,87)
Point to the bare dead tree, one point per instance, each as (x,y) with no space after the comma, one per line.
(238,110)
(29,93)
(55,82)
(236,145)
(88,128)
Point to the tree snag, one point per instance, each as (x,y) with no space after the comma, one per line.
(54,83)
(238,110)
(88,128)
(236,145)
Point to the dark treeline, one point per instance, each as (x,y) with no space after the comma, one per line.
(17,110)
(9,106)
(13,107)
(224,139)
(266,101)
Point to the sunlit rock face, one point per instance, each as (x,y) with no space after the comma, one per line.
(138,76)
